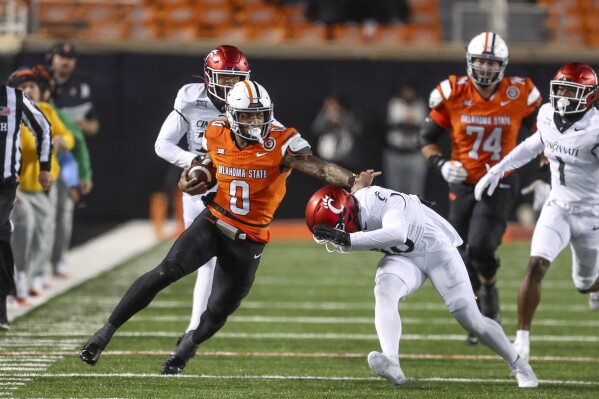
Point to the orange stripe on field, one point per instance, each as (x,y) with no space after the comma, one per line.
(296,230)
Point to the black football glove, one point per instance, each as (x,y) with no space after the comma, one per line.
(336,236)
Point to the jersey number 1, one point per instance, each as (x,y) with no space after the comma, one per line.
(492,143)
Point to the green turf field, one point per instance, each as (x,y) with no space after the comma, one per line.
(303,332)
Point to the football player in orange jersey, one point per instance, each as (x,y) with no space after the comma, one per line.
(483,113)
(253,159)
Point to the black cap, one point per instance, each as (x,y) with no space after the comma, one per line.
(66,50)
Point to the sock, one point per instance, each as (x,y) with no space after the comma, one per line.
(522,336)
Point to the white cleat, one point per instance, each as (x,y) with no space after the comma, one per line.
(523,349)
(594,301)
(524,374)
(386,368)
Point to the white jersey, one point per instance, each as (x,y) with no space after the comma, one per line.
(192,112)
(397,223)
(573,160)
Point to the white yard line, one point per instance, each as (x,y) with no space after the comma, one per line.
(296,377)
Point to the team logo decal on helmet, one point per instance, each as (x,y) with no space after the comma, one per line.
(327,202)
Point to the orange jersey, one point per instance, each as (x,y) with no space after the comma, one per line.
(251,184)
(482,131)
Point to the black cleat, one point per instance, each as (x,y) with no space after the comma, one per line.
(471,339)
(173,365)
(195,349)
(90,353)
(176,362)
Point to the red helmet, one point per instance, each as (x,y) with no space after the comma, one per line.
(226,60)
(580,81)
(335,207)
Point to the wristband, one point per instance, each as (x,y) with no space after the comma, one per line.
(436,161)
(351,180)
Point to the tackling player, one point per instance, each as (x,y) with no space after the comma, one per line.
(568,136)
(253,158)
(418,244)
(483,113)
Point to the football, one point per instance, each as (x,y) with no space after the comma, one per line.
(203,173)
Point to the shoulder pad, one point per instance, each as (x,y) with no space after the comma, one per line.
(437,97)
(187,95)
(298,145)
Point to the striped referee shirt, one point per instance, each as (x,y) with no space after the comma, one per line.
(15,109)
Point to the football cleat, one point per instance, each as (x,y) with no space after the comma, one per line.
(90,353)
(471,339)
(523,349)
(594,301)
(176,362)
(524,374)
(386,368)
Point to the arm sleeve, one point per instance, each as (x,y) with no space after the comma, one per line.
(522,154)
(39,125)
(171,132)
(394,232)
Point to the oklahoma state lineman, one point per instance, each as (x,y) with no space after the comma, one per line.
(483,113)
(253,160)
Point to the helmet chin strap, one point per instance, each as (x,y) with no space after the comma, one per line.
(562,104)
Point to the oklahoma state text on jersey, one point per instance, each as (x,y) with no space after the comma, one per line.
(482,131)
(251,184)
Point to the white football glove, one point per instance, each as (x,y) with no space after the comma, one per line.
(488,182)
(541,190)
(453,172)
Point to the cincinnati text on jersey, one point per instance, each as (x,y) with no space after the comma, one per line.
(556,147)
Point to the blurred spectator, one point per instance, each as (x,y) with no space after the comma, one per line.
(72,92)
(338,129)
(37,254)
(72,96)
(328,12)
(404,168)
(386,11)
(75,177)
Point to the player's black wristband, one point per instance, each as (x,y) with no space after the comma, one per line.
(436,161)
(351,180)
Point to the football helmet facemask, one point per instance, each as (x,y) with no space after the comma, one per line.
(248,96)
(487,46)
(582,81)
(224,60)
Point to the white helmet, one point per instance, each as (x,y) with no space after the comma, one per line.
(489,46)
(249,96)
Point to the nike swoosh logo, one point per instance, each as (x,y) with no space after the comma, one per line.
(596,228)
(505,102)
(502,185)
(576,129)
(257,256)
(261,154)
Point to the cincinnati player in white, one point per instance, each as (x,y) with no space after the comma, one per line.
(418,244)
(568,135)
(196,105)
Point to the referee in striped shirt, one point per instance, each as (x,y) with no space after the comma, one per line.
(15,109)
